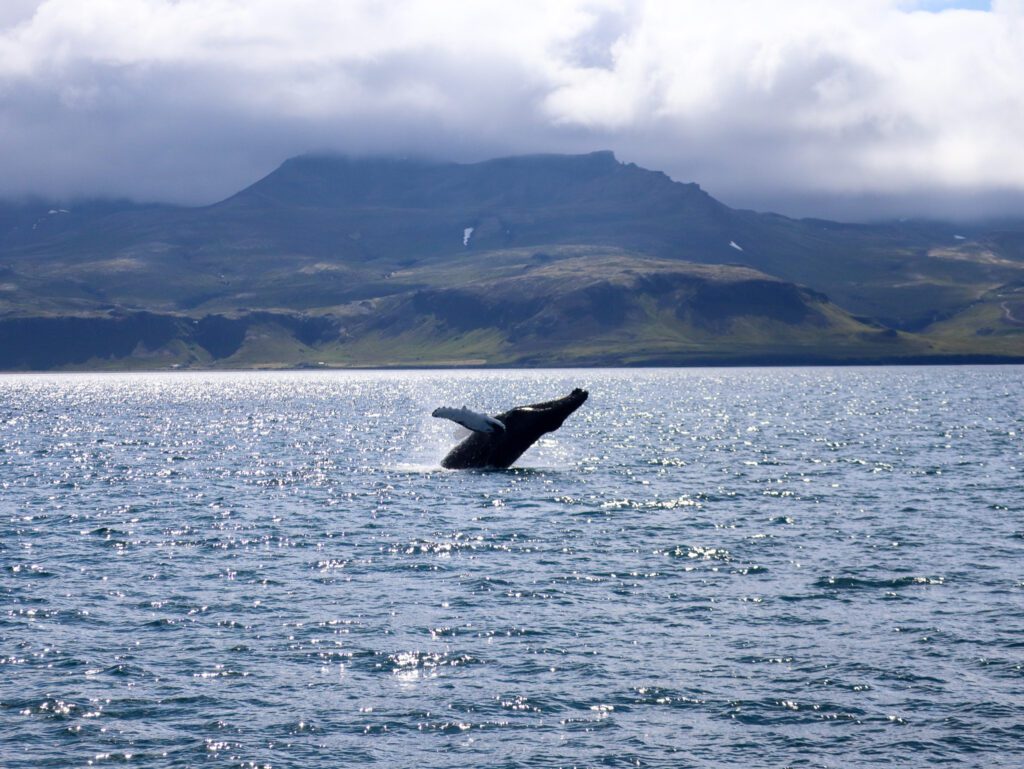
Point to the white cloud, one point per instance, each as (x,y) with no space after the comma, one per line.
(770,105)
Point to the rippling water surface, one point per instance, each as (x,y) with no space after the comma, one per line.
(765,567)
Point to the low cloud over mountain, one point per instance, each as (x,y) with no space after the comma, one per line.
(868,108)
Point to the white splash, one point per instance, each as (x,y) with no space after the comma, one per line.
(959,237)
(466,235)
(734,244)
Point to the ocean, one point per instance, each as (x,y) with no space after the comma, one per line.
(790,567)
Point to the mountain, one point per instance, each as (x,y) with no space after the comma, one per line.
(546,259)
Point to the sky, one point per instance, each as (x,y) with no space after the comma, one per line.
(850,109)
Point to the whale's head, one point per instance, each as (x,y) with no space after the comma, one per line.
(531,422)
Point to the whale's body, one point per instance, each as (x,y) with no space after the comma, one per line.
(523,426)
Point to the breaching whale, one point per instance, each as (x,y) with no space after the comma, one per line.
(523,426)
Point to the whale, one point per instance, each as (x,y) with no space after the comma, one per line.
(524,425)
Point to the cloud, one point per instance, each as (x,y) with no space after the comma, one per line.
(868,107)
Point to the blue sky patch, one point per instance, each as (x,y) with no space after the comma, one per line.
(937,6)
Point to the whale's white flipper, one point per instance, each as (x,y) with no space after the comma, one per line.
(473,420)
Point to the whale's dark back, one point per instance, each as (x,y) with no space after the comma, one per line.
(523,426)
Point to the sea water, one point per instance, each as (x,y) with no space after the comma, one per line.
(703,568)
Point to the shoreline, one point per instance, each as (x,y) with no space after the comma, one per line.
(719,363)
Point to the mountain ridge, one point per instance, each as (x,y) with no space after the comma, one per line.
(368,242)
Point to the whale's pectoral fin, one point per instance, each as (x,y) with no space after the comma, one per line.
(472,420)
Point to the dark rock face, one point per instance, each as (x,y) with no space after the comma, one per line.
(55,342)
(42,343)
(769,299)
(523,426)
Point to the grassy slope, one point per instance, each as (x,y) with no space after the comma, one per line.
(995,323)
(549,313)
(580,305)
